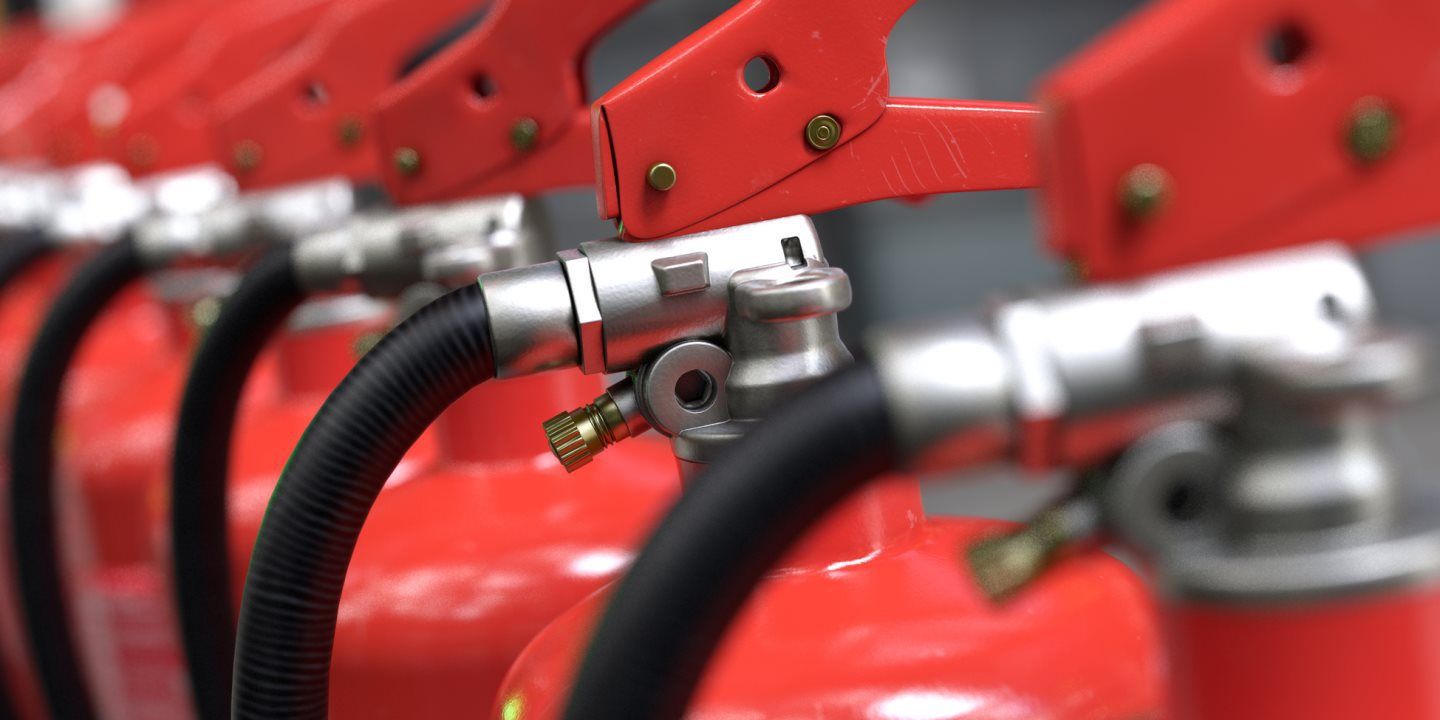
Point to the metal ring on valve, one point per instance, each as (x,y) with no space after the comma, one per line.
(672,408)
(1163,488)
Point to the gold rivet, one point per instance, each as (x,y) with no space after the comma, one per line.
(143,151)
(1144,191)
(204,313)
(247,155)
(407,160)
(524,133)
(661,176)
(351,131)
(1371,130)
(822,132)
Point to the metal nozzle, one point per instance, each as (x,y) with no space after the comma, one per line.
(577,436)
(1004,564)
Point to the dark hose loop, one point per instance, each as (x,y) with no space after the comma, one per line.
(32,458)
(19,251)
(708,554)
(360,434)
(200,468)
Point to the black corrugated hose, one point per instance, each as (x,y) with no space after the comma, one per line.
(360,434)
(199,474)
(19,250)
(732,524)
(32,457)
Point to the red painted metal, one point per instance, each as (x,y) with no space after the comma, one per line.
(525,63)
(113,453)
(29,99)
(874,615)
(20,43)
(1255,149)
(168,123)
(144,39)
(303,117)
(1366,657)
(478,540)
(741,155)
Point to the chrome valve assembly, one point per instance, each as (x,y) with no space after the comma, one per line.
(712,329)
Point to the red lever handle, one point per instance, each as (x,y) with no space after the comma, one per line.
(1206,128)
(168,125)
(504,110)
(740,153)
(20,43)
(143,39)
(303,116)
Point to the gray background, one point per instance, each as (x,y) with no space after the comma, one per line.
(956,251)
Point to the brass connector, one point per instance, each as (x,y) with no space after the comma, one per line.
(1005,564)
(577,436)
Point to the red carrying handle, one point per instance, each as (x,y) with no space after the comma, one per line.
(168,125)
(303,117)
(1201,129)
(504,109)
(739,154)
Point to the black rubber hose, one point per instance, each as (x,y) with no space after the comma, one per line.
(18,251)
(200,469)
(733,522)
(32,458)
(360,434)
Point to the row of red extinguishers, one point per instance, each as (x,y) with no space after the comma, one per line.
(197,252)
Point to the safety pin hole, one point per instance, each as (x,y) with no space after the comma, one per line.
(761,74)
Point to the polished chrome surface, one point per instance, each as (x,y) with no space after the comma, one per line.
(638,317)
(950,390)
(532,319)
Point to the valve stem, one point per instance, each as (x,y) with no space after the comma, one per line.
(1005,564)
(577,436)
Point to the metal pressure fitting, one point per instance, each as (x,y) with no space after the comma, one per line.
(1045,380)
(609,305)
(717,327)
(448,244)
(577,436)
(28,196)
(199,215)
(96,202)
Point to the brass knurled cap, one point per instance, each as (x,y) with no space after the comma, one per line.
(574,438)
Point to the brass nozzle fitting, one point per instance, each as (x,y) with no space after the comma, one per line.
(1004,564)
(577,436)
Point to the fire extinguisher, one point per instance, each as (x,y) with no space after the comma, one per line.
(447,243)
(1311,520)
(947,392)
(1232,412)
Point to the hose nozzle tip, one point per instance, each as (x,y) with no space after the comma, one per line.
(1004,564)
(573,438)
(576,437)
